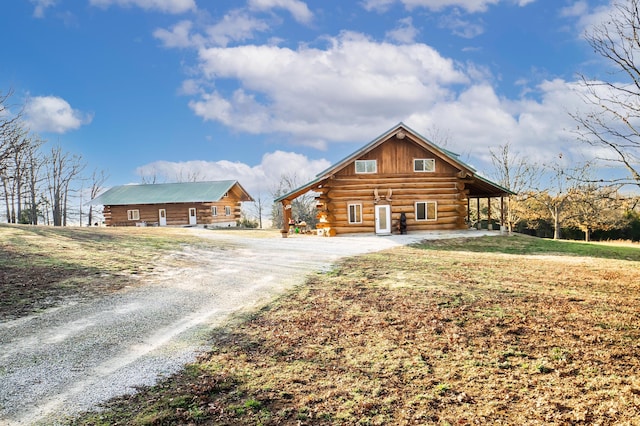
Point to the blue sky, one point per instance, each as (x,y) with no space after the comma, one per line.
(252,89)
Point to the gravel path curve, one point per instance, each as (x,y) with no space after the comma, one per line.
(73,357)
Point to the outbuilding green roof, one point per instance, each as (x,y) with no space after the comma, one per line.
(186,192)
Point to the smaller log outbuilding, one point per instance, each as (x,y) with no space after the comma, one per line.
(174,204)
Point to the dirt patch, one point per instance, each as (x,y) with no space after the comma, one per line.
(26,290)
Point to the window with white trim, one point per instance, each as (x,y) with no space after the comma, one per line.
(366,166)
(355,213)
(426,210)
(424,165)
(227,210)
(214,210)
(133,214)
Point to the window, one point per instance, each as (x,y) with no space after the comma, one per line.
(133,214)
(214,210)
(426,210)
(366,166)
(227,210)
(226,194)
(424,165)
(355,213)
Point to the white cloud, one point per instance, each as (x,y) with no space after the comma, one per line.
(178,36)
(461,26)
(589,18)
(166,6)
(539,127)
(298,9)
(578,8)
(53,114)
(258,180)
(235,26)
(323,94)
(471,6)
(41,6)
(404,33)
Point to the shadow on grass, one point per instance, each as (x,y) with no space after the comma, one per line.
(517,244)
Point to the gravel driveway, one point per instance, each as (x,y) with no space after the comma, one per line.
(73,357)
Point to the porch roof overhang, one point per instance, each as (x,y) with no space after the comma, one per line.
(310,186)
(480,187)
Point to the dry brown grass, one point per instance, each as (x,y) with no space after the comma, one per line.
(413,336)
(41,267)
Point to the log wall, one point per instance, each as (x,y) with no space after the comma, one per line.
(177,214)
(394,171)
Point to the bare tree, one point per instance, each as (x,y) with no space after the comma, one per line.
(595,207)
(63,169)
(9,127)
(258,207)
(33,163)
(513,172)
(615,120)
(9,124)
(303,208)
(97,181)
(558,195)
(14,170)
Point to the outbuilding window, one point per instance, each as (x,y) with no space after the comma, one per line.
(214,210)
(366,166)
(426,210)
(355,213)
(424,165)
(227,210)
(133,214)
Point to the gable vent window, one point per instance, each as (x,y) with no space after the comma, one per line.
(366,166)
(424,165)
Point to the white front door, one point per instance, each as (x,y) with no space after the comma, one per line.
(162,217)
(383,219)
(192,216)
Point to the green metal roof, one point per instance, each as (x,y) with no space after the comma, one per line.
(187,192)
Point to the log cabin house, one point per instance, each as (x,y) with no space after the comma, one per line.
(214,204)
(400,177)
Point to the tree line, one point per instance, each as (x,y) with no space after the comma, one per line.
(38,181)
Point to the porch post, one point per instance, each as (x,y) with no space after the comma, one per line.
(286,215)
(479,225)
(488,213)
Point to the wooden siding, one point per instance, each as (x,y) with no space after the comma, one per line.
(394,172)
(177,214)
(338,193)
(396,156)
